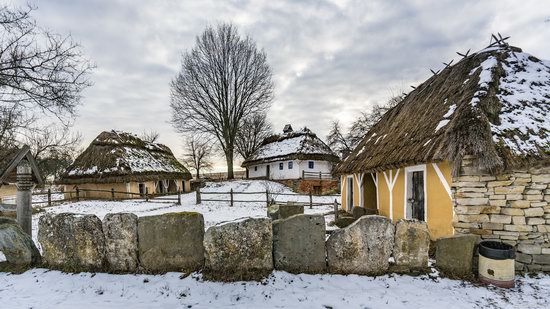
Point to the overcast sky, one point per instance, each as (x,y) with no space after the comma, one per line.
(331,59)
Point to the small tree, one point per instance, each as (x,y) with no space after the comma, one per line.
(150,136)
(223,80)
(345,143)
(198,154)
(251,134)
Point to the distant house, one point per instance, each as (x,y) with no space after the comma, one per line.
(123,162)
(467,151)
(292,155)
(9,160)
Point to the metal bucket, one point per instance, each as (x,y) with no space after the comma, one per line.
(497,264)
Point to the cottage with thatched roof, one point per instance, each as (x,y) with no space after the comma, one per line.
(467,151)
(124,162)
(292,155)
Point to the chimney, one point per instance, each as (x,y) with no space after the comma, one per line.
(287,129)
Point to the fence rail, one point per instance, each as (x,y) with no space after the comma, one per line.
(76,195)
(317,176)
(270,197)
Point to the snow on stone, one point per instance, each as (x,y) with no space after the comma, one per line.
(450,112)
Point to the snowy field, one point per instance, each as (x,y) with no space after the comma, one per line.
(41,288)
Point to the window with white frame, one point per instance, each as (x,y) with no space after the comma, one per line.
(311,164)
(281,166)
(290,163)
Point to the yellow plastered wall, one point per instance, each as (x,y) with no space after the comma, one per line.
(440,206)
(439,209)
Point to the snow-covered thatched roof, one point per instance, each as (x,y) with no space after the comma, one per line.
(493,104)
(292,145)
(123,157)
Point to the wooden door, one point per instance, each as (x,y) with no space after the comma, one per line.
(267,171)
(417,195)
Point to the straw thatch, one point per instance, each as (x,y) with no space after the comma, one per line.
(494,105)
(116,157)
(292,145)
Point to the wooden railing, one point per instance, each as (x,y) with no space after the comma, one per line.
(77,195)
(317,176)
(269,197)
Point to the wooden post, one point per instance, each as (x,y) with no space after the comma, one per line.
(113,194)
(310,200)
(198,199)
(179,197)
(266,198)
(303,174)
(335,210)
(49,197)
(23,198)
(231,197)
(146,194)
(77,194)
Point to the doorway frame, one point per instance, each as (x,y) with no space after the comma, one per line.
(409,170)
(350,181)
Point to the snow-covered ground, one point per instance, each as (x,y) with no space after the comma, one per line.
(41,288)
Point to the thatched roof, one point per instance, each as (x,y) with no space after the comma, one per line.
(292,145)
(123,157)
(494,105)
(10,159)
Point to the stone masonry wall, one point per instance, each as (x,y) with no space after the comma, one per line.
(513,208)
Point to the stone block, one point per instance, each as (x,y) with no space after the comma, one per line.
(299,244)
(278,211)
(501,219)
(454,255)
(520,204)
(509,189)
(16,245)
(412,243)
(239,250)
(512,211)
(361,248)
(171,242)
(72,242)
(121,241)
(534,212)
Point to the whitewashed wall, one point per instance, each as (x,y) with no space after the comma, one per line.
(285,173)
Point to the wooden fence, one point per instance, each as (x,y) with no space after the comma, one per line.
(77,196)
(270,197)
(317,176)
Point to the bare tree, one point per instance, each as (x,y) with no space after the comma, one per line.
(54,148)
(39,69)
(337,140)
(346,142)
(223,80)
(251,134)
(150,136)
(198,154)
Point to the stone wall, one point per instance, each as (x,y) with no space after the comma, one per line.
(513,208)
(304,186)
(238,250)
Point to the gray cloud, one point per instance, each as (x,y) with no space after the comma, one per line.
(331,59)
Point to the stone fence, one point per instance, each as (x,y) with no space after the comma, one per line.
(245,249)
(513,208)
